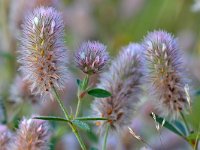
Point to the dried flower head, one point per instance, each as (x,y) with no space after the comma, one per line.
(43,55)
(32,135)
(123,80)
(166,73)
(5,137)
(92,57)
(19,92)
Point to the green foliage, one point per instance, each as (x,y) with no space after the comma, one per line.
(81,125)
(167,125)
(90,118)
(180,126)
(51,118)
(84,83)
(100,93)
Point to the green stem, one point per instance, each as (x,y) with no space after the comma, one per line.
(106,137)
(58,99)
(78,105)
(75,131)
(81,91)
(184,120)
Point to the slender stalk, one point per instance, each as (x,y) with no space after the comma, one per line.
(81,90)
(75,131)
(196,140)
(184,120)
(105,137)
(78,105)
(58,99)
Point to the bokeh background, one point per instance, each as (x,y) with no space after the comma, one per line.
(116,23)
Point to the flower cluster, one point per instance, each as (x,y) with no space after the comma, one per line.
(166,73)
(32,135)
(92,57)
(43,54)
(123,80)
(5,137)
(19,92)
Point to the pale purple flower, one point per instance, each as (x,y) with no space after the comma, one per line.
(32,135)
(5,137)
(123,80)
(19,92)
(166,73)
(43,55)
(92,57)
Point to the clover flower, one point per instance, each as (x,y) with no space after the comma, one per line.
(19,92)
(123,80)
(166,73)
(92,57)
(5,137)
(32,135)
(43,55)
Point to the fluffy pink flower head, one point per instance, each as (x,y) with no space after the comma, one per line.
(123,80)
(5,137)
(32,135)
(43,55)
(166,73)
(92,57)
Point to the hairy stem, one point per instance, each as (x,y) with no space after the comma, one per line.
(78,105)
(74,129)
(81,93)
(58,99)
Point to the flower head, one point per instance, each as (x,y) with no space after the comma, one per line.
(5,137)
(123,80)
(32,135)
(166,73)
(43,55)
(19,92)
(92,57)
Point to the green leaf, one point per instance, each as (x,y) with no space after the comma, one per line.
(81,125)
(52,118)
(83,84)
(180,127)
(90,118)
(78,81)
(167,125)
(93,148)
(197,92)
(100,93)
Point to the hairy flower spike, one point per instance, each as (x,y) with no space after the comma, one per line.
(92,57)
(43,55)
(32,135)
(166,73)
(19,92)
(123,80)
(5,138)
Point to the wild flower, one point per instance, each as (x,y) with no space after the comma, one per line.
(32,135)
(91,57)
(166,73)
(19,92)
(5,137)
(43,55)
(123,80)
